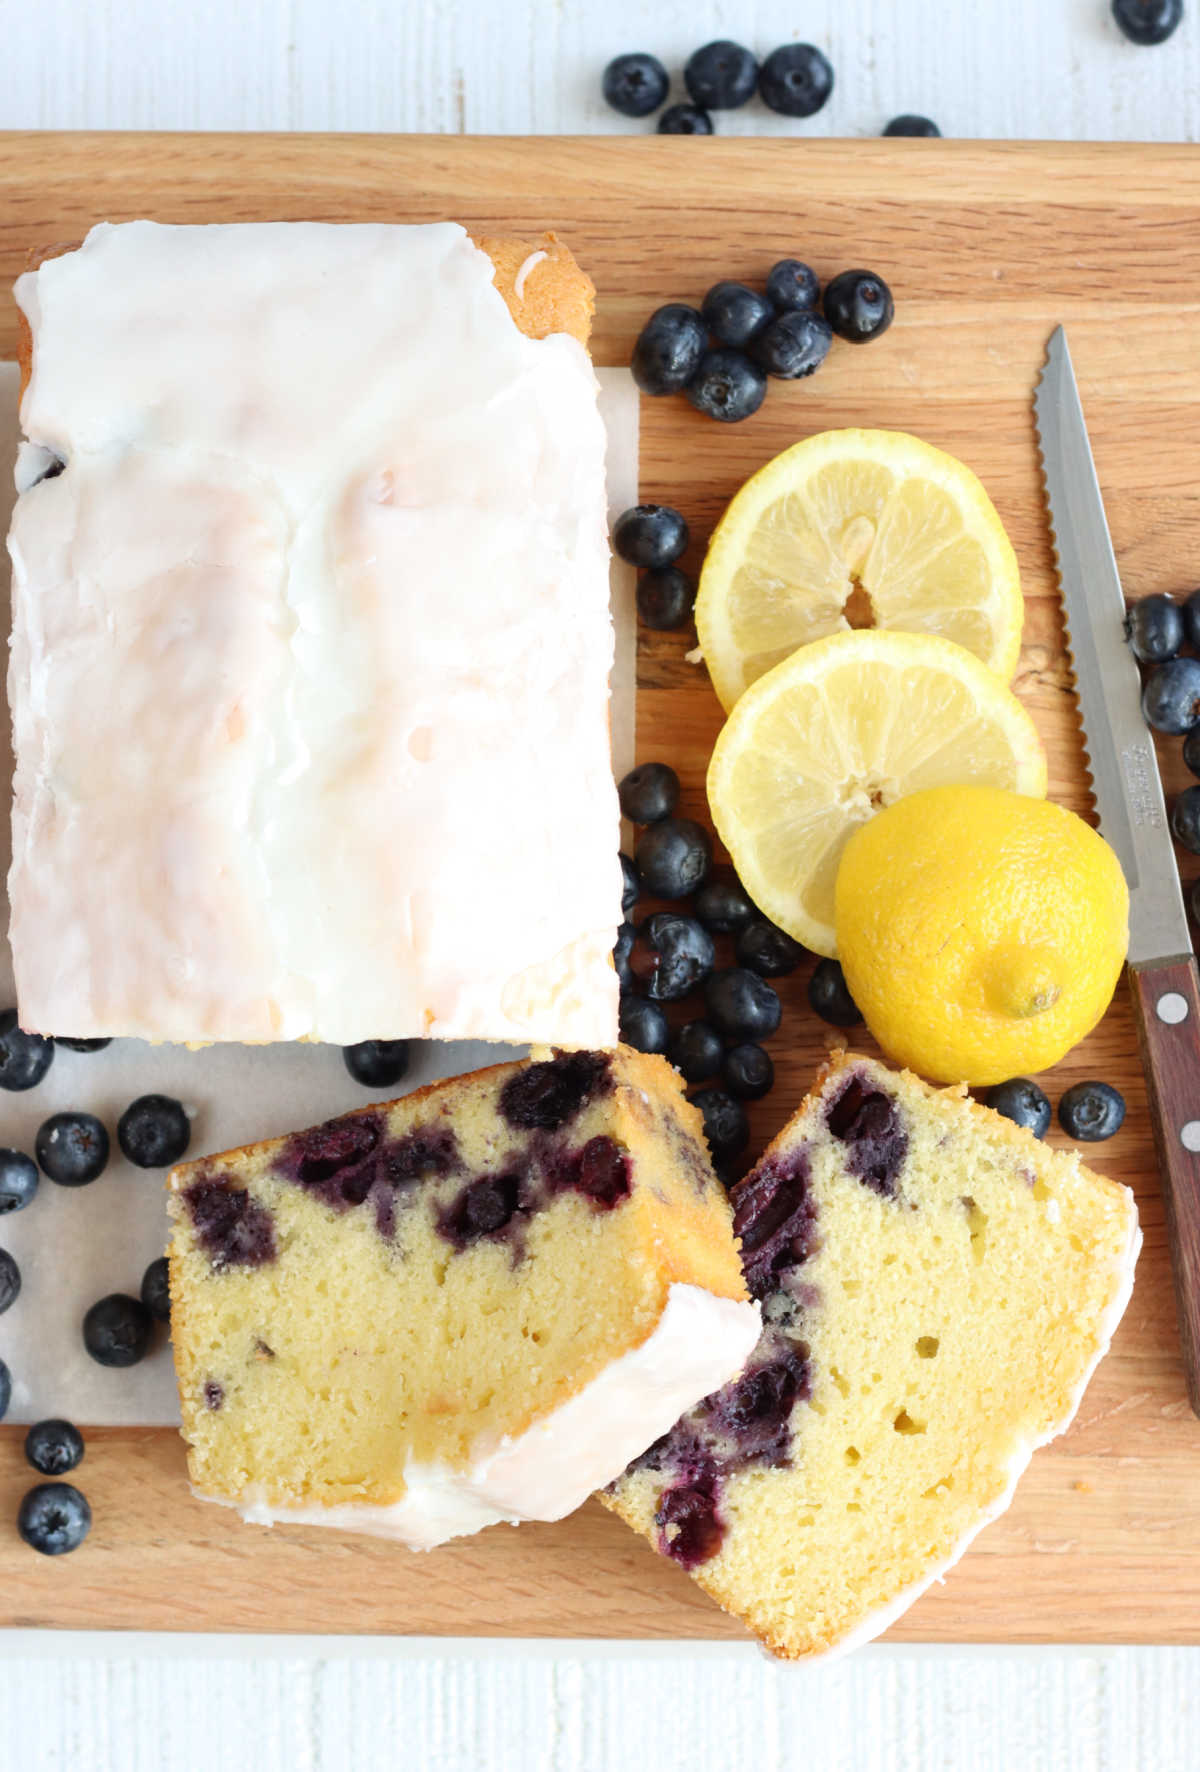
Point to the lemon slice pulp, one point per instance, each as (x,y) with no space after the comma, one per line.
(878,520)
(838,731)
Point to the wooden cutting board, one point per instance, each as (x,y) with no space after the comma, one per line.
(986,248)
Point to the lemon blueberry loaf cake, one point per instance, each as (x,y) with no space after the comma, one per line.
(936,1287)
(477,1303)
(312,525)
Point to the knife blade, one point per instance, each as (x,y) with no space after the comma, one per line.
(1127,790)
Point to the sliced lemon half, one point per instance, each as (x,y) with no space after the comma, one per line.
(898,530)
(838,731)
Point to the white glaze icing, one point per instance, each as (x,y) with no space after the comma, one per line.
(311,646)
(699,1343)
(535,258)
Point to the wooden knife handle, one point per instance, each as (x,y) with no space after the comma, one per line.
(1166,1004)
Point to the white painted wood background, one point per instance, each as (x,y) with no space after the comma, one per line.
(1032,68)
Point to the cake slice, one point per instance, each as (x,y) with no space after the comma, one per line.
(474,1304)
(312,527)
(937,1287)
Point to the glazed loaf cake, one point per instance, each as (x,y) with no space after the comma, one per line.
(473,1304)
(312,529)
(937,1287)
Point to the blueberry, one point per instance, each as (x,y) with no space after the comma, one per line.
(696,1050)
(792,284)
(1191,750)
(1171,696)
(154,1131)
(643,1025)
(156,1289)
(24,1058)
(734,313)
(1191,617)
(767,949)
(54,1518)
(720,76)
(741,1005)
(665,598)
(1091,1111)
(727,385)
(674,857)
(631,885)
(669,347)
(5,1389)
(18,1180)
(794,344)
(685,120)
(725,1124)
(551,1093)
(81,1045)
(1154,628)
(725,906)
(117,1330)
(829,997)
(635,84)
(911,123)
(481,1209)
(868,1122)
(376,1064)
(748,1071)
(649,792)
(72,1148)
(233,1229)
(1021,1101)
(1185,819)
(650,535)
(1147,22)
(54,1447)
(795,80)
(858,305)
(690,1527)
(622,948)
(673,955)
(10,1281)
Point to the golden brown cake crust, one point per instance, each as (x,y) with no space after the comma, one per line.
(555,295)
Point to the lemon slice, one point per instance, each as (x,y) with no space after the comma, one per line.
(904,524)
(836,732)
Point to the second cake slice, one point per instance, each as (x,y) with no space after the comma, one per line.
(473,1304)
(937,1287)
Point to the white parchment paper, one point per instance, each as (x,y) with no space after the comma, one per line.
(75,1245)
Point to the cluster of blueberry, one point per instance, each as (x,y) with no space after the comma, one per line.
(1157,629)
(54,1517)
(794,80)
(72,1149)
(779,334)
(653,537)
(667,955)
(1089,1111)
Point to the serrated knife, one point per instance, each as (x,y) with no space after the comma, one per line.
(1128,794)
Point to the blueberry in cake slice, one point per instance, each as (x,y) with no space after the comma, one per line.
(937,1286)
(476,1303)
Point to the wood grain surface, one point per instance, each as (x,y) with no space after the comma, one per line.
(986,249)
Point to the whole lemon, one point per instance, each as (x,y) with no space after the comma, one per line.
(981,932)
